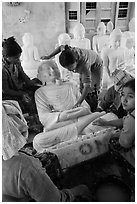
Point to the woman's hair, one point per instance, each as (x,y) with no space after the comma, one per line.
(10,47)
(130,84)
(67,57)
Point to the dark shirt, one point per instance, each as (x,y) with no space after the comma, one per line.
(13,80)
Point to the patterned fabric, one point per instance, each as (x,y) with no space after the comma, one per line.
(14,129)
(120,78)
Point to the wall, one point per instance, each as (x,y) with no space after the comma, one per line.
(45,21)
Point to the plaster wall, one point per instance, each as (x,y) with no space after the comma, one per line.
(45,22)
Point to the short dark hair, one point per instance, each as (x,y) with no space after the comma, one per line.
(67,57)
(10,47)
(130,84)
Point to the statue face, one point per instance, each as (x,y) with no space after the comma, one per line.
(116,41)
(46,74)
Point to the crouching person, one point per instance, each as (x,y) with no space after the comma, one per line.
(23,179)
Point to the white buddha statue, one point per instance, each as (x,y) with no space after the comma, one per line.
(101,39)
(61,121)
(79,39)
(30,59)
(130,56)
(129,34)
(63,39)
(109,27)
(113,57)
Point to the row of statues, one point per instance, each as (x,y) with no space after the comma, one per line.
(116,48)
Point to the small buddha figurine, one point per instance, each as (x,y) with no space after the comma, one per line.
(113,57)
(30,59)
(63,39)
(101,39)
(129,34)
(109,27)
(79,39)
(130,56)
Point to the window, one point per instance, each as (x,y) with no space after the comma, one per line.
(123,5)
(73,15)
(90,6)
(123,10)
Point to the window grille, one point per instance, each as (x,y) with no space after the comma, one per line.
(73,15)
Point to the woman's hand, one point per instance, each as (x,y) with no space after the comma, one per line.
(45,57)
(100,122)
(26,98)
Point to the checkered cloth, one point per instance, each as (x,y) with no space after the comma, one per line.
(120,78)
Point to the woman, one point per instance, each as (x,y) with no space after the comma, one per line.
(89,65)
(23,178)
(16,85)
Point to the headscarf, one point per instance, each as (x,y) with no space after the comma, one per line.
(10,47)
(14,129)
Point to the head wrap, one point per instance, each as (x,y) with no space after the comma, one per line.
(10,47)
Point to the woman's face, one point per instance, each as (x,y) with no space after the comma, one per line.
(14,59)
(72,67)
(128,99)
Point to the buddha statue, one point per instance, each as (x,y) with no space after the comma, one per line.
(113,57)
(63,39)
(79,39)
(30,59)
(101,39)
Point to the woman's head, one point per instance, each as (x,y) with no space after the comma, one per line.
(67,59)
(11,50)
(128,96)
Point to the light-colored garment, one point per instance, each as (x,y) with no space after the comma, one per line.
(53,102)
(54,105)
(128,134)
(14,129)
(50,100)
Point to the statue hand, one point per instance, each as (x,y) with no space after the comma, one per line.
(76,105)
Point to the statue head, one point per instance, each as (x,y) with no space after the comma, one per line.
(48,72)
(132,25)
(79,31)
(110,27)
(115,38)
(101,29)
(64,39)
(129,43)
(27,39)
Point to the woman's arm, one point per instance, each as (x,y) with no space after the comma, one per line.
(83,95)
(55,52)
(114,123)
